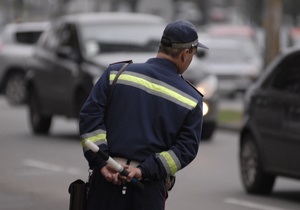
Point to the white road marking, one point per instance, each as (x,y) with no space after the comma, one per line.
(51,167)
(251,204)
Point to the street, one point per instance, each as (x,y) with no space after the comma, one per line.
(35,171)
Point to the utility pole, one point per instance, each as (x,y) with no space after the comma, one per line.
(272,24)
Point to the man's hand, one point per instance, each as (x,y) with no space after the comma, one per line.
(133,172)
(112,176)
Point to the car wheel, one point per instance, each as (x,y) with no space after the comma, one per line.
(207,130)
(254,179)
(40,123)
(15,91)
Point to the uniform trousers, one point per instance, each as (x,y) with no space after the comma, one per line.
(104,195)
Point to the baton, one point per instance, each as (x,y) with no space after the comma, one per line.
(114,164)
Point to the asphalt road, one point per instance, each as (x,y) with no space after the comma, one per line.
(35,171)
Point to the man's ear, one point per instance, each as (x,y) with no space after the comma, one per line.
(184,54)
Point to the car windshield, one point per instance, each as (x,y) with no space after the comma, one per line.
(110,38)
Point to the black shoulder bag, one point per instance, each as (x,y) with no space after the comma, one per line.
(79,193)
(79,189)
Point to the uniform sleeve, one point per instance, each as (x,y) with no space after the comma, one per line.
(92,120)
(184,150)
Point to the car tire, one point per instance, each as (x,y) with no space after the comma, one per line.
(15,91)
(40,124)
(208,130)
(254,179)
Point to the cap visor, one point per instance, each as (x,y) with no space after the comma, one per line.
(199,45)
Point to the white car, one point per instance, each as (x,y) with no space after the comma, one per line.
(16,46)
(235,61)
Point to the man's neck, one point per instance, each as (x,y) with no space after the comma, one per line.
(167,57)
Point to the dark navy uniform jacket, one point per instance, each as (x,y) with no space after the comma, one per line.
(155,117)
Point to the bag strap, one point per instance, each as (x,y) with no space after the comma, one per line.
(115,81)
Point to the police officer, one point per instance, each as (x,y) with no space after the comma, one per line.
(152,127)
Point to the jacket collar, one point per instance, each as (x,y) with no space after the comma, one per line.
(166,64)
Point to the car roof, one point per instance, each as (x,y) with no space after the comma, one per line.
(26,26)
(231,30)
(286,52)
(227,42)
(282,54)
(10,30)
(290,50)
(109,17)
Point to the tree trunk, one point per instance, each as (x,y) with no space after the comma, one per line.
(272,23)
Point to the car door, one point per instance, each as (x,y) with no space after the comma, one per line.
(279,142)
(43,65)
(66,68)
(58,68)
(269,110)
(292,118)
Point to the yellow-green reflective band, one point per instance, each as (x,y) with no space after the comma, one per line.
(94,139)
(93,133)
(158,89)
(171,163)
(112,76)
(155,87)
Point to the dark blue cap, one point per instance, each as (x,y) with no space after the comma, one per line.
(181,34)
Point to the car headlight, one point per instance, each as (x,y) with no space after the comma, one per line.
(208,86)
(205,108)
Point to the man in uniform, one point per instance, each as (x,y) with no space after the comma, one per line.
(152,127)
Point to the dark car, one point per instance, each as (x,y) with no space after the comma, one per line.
(73,53)
(270,136)
(208,85)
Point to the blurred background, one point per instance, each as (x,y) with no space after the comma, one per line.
(251,120)
(268,16)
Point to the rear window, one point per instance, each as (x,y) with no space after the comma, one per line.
(27,37)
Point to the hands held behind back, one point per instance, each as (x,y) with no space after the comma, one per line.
(112,176)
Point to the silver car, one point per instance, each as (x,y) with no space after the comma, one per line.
(235,61)
(16,46)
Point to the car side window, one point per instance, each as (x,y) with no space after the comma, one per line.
(51,41)
(60,35)
(286,76)
(67,36)
(27,37)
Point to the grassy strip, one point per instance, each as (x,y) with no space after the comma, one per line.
(229,116)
